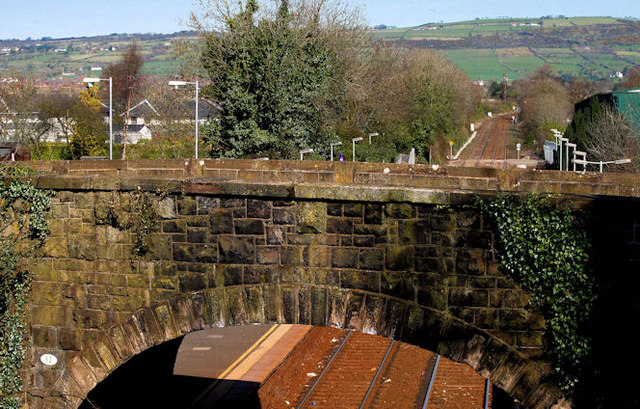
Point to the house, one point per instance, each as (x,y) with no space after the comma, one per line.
(135,133)
(207,110)
(142,113)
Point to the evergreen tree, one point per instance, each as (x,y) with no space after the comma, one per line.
(583,118)
(274,78)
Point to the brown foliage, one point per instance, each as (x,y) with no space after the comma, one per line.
(543,101)
(631,79)
(610,138)
(126,79)
(412,96)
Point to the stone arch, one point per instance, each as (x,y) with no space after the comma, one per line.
(400,319)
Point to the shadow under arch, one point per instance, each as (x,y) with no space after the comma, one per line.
(507,368)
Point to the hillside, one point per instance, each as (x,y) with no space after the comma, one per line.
(593,47)
(75,57)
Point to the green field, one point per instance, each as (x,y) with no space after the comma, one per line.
(84,53)
(591,47)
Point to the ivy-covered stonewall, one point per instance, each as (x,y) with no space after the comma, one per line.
(23,229)
(545,248)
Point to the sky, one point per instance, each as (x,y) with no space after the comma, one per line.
(76,18)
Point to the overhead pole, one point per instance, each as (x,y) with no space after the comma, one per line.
(504,86)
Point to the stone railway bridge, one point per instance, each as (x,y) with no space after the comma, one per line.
(143,252)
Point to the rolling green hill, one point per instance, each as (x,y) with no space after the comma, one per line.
(593,47)
(74,57)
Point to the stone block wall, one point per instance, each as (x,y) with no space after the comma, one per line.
(373,247)
(281,259)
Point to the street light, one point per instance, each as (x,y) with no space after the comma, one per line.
(303,151)
(569,145)
(88,82)
(332,146)
(584,158)
(177,84)
(566,140)
(558,135)
(353,141)
(372,134)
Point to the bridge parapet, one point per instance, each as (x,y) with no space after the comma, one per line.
(122,174)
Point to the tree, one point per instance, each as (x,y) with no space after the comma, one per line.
(298,75)
(497,89)
(583,118)
(174,113)
(609,137)
(88,128)
(126,79)
(23,123)
(278,72)
(56,110)
(412,98)
(631,78)
(544,103)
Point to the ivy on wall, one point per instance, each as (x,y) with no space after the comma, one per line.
(23,229)
(545,248)
(136,212)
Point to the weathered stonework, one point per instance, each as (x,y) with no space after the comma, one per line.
(348,249)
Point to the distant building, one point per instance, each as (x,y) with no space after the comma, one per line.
(142,113)
(135,133)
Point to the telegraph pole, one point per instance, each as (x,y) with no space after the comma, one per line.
(504,86)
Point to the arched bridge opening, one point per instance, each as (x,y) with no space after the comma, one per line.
(161,328)
(279,365)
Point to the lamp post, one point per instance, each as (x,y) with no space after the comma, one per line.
(177,84)
(333,144)
(577,153)
(563,140)
(303,151)
(372,134)
(88,82)
(573,146)
(353,141)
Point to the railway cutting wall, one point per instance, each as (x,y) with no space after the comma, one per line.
(144,252)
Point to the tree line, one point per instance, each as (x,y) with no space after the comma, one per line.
(302,75)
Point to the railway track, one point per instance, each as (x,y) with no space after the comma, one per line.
(366,372)
(339,369)
(480,144)
(490,147)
